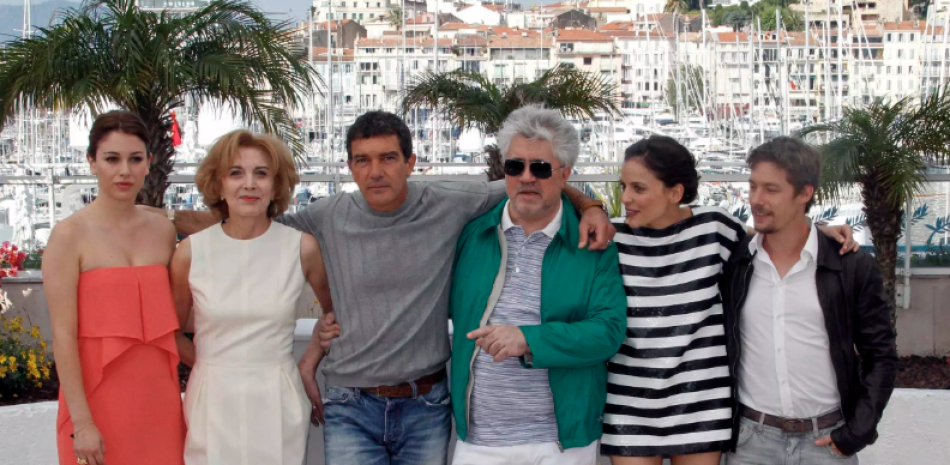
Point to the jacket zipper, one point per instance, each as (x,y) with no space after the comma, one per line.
(486,314)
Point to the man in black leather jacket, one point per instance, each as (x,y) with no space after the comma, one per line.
(810,343)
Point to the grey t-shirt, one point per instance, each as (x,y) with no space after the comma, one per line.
(389,276)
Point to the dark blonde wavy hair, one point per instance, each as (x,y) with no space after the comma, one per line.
(221,157)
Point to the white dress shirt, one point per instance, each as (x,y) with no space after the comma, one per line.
(785,364)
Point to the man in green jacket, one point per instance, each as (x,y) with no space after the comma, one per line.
(535,319)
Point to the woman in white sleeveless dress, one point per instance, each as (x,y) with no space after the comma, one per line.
(245,402)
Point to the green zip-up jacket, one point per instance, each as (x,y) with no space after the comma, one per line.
(583,320)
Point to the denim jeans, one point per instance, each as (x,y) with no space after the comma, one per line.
(365,429)
(761,444)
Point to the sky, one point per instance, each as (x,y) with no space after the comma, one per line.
(296,8)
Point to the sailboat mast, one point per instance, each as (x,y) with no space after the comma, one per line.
(943,56)
(807,62)
(761,59)
(826,29)
(329,121)
(840,97)
(435,69)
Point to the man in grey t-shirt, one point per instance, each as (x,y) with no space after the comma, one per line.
(389,251)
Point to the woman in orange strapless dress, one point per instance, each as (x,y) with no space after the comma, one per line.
(106,279)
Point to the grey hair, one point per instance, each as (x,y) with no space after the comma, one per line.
(539,123)
(800,161)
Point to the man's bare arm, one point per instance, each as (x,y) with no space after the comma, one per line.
(580,201)
(188,222)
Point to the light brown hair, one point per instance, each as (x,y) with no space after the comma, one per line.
(221,157)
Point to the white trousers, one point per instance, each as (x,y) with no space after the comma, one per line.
(544,453)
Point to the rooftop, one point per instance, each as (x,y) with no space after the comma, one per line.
(581,35)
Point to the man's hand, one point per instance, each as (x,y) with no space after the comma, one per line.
(843,234)
(501,342)
(308,373)
(328,329)
(595,222)
(826,441)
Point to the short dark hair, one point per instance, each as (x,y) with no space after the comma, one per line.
(669,161)
(800,161)
(379,123)
(122,121)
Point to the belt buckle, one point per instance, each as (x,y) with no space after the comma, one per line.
(792,424)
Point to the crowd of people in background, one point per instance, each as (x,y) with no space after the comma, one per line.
(673,332)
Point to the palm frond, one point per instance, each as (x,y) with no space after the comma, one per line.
(888,142)
(470,99)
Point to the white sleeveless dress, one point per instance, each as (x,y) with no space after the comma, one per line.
(245,403)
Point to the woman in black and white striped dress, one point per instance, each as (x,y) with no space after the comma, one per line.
(668,388)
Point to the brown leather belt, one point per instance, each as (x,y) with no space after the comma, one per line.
(793,425)
(423,386)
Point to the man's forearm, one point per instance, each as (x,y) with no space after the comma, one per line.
(188,222)
(580,201)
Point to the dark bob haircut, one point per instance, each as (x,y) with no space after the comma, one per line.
(379,123)
(669,161)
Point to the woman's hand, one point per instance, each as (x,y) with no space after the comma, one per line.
(88,445)
(308,373)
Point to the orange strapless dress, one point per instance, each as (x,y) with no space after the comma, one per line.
(127,325)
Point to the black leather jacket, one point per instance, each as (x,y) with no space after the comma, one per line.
(862,341)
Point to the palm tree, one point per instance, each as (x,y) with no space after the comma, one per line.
(677,6)
(109,52)
(469,99)
(885,148)
(395,18)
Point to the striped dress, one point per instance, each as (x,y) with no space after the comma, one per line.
(668,386)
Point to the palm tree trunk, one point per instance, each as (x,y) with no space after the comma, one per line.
(884,220)
(162,151)
(496,165)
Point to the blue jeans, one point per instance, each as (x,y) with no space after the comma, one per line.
(364,429)
(760,444)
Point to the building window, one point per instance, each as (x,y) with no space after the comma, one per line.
(888,37)
(900,37)
(588,60)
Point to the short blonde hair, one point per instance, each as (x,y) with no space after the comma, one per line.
(221,157)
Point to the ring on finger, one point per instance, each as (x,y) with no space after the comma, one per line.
(82,461)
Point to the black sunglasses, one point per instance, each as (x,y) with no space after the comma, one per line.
(539,169)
